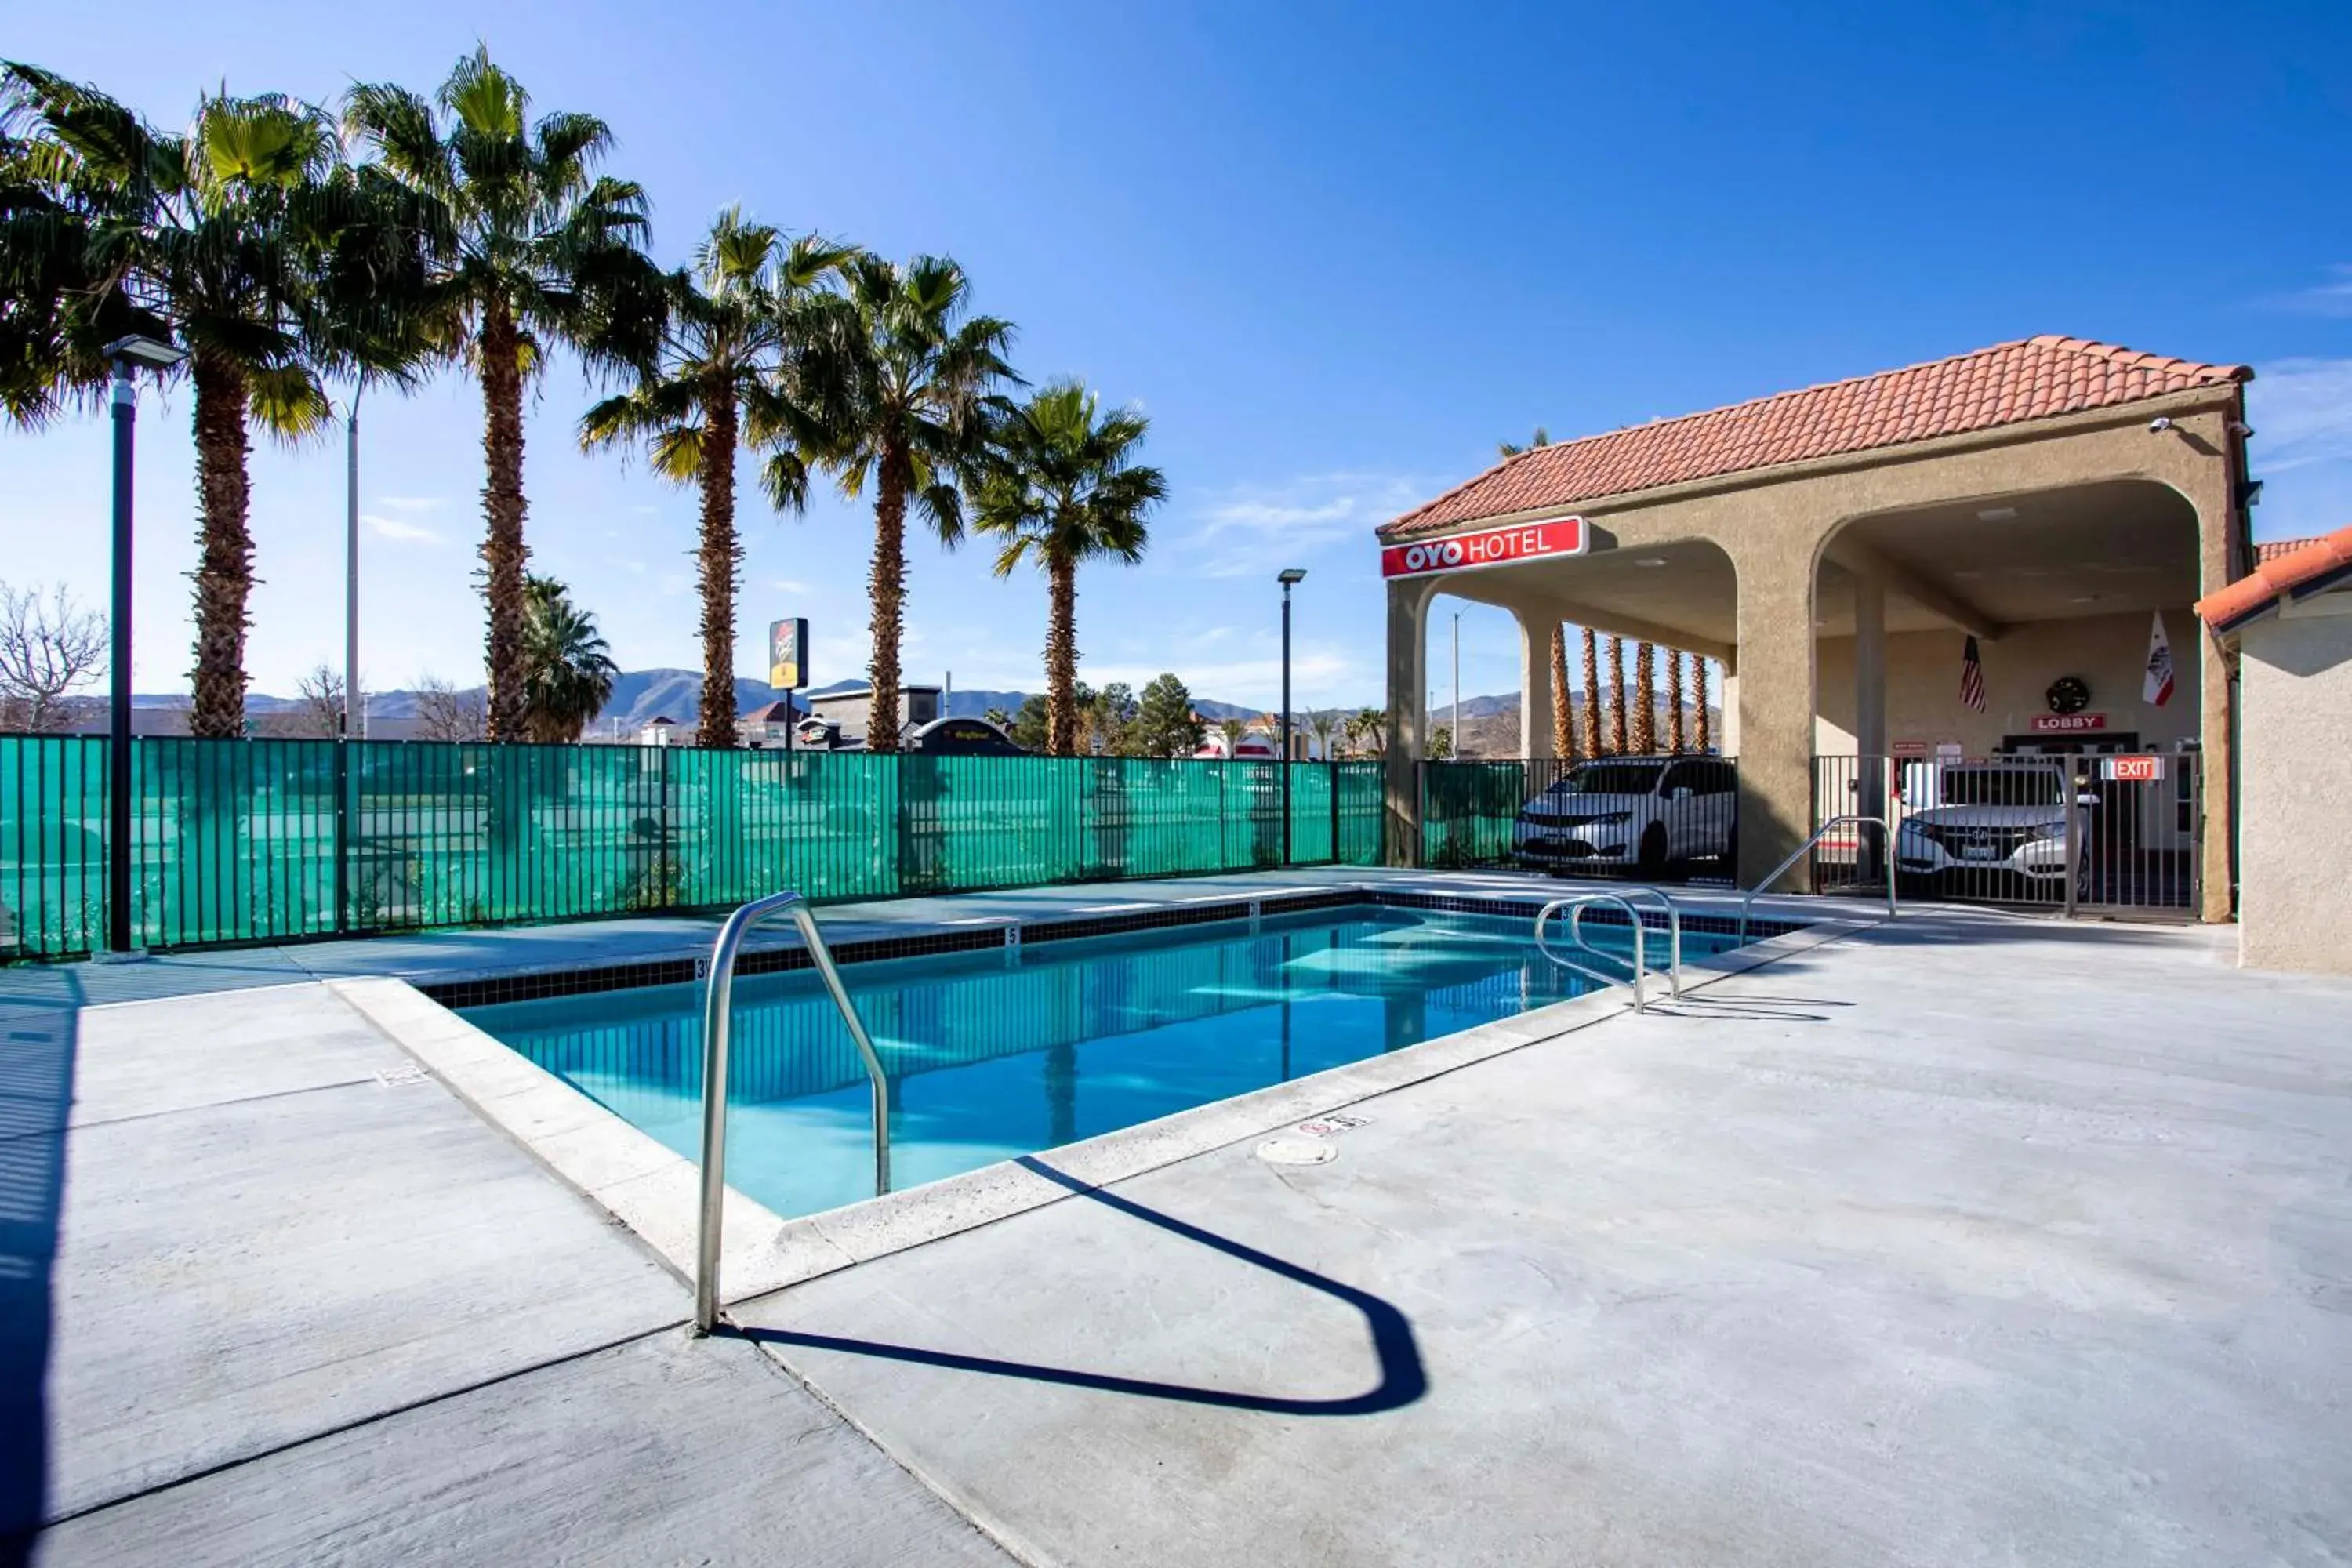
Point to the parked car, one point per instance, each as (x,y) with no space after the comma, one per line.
(1985,818)
(1653,814)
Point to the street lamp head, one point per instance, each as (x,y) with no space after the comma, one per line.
(1290,574)
(150,352)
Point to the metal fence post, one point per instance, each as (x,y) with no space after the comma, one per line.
(2077,856)
(343,835)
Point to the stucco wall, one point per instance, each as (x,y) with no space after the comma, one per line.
(2295,847)
(1923,682)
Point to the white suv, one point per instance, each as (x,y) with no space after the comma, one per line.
(1648,813)
(1984,818)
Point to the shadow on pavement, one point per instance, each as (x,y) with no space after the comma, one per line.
(1403,1377)
(37,1072)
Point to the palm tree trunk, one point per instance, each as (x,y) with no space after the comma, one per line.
(720,559)
(504,553)
(1563,727)
(888,584)
(225,566)
(1061,656)
(1645,694)
(1704,738)
(1592,701)
(1674,701)
(1616,697)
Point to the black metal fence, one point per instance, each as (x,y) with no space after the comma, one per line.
(2099,831)
(1660,818)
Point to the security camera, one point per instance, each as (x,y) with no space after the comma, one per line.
(2241,429)
(2159,425)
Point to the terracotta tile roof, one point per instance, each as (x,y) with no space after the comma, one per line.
(2266,553)
(2313,566)
(2008,383)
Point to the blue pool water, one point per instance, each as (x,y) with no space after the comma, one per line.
(999,1053)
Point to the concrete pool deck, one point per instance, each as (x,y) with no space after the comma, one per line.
(1959,1239)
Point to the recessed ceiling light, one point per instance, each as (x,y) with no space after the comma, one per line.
(1650,561)
(1996,514)
(2085,599)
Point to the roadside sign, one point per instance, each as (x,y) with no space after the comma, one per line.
(787,654)
(2132,770)
(1488,547)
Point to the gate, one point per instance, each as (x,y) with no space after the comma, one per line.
(1659,818)
(2103,832)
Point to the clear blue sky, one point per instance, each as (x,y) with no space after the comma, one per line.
(1334,251)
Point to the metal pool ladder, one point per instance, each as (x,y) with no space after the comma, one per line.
(1576,904)
(1886,843)
(717,1019)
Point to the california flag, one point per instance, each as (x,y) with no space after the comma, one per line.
(2157,688)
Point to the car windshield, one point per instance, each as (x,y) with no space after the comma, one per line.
(1609,778)
(2000,786)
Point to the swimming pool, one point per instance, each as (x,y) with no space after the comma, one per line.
(1006,1051)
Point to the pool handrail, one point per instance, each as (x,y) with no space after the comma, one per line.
(1577,902)
(1674,934)
(1747,900)
(717,1021)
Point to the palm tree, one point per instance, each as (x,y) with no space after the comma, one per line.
(567,670)
(1061,485)
(1591,716)
(723,340)
(1675,700)
(889,380)
(1542,437)
(1367,731)
(222,233)
(541,250)
(1645,698)
(1233,730)
(1323,725)
(1616,697)
(1701,739)
(1563,728)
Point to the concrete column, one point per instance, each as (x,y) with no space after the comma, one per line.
(1870,714)
(2211,488)
(1408,672)
(1535,686)
(1776,710)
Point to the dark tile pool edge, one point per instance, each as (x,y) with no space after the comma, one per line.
(540,984)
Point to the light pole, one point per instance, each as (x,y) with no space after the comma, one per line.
(1453,728)
(1289,576)
(125,355)
(354,706)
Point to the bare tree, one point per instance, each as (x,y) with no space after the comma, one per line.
(48,648)
(444,713)
(322,692)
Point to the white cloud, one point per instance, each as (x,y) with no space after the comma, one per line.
(395,529)
(2333,297)
(1257,529)
(2302,413)
(412,503)
(786,585)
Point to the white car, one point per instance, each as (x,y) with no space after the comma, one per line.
(1985,817)
(1648,813)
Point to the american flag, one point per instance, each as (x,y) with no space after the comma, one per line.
(1972,692)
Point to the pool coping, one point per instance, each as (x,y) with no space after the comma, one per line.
(655,1191)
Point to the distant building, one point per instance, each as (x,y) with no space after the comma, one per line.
(769,724)
(663,731)
(844,714)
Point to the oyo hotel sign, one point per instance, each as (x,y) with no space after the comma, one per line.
(1487,547)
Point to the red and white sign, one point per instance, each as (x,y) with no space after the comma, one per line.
(1488,547)
(1911,750)
(2132,770)
(2068,723)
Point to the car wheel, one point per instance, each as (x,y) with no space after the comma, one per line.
(1653,851)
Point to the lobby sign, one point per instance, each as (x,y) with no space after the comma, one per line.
(2068,723)
(1487,547)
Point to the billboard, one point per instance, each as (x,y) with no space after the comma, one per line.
(787,654)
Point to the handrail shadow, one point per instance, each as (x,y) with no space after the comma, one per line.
(1404,1380)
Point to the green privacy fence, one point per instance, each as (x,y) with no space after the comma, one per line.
(278,840)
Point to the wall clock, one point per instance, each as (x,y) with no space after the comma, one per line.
(2069,694)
